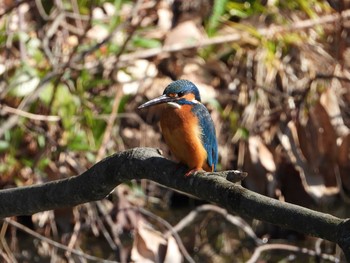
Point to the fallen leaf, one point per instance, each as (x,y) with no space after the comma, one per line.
(151,246)
(344,163)
(185,33)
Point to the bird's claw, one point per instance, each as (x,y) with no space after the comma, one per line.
(194,172)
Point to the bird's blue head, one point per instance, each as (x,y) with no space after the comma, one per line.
(177,93)
(182,87)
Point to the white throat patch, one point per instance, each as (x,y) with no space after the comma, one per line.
(174,105)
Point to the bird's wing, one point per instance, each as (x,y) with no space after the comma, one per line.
(208,133)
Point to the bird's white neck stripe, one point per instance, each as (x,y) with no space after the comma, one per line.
(178,106)
(174,105)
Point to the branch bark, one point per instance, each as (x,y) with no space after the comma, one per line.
(147,163)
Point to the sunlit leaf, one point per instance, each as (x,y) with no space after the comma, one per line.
(24,82)
(214,20)
(4,145)
(146,42)
(46,94)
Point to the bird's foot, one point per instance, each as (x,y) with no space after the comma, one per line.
(194,171)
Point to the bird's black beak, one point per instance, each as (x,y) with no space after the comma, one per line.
(159,100)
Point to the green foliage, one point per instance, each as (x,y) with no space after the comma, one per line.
(146,42)
(116,20)
(24,81)
(123,102)
(308,7)
(242,133)
(244,9)
(4,145)
(214,20)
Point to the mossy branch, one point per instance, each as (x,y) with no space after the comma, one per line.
(147,163)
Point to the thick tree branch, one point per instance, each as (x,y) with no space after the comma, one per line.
(147,163)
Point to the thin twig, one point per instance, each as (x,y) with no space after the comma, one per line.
(41,10)
(267,32)
(257,252)
(110,123)
(4,242)
(22,46)
(76,11)
(37,117)
(171,231)
(10,122)
(109,221)
(74,237)
(54,243)
(66,65)
(15,5)
(235,220)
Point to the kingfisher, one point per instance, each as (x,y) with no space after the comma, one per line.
(187,126)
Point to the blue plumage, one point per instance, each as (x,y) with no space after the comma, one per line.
(187,126)
(208,137)
(182,87)
(208,133)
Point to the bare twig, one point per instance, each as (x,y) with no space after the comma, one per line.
(22,47)
(6,109)
(235,220)
(110,123)
(171,231)
(109,221)
(257,252)
(41,10)
(74,237)
(10,122)
(267,32)
(4,243)
(54,243)
(65,66)
(15,5)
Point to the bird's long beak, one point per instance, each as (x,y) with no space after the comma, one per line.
(156,101)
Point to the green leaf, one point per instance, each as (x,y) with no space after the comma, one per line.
(146,42)
(78,142)
(123,102)
(24,82)
(46,94)
(243,133)
(41,140)
(218,10)
(66,105)
(43,163)
(4,145)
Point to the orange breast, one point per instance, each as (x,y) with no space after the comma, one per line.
(182,134)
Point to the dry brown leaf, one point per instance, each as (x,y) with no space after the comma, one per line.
(326,144)
(257,179)
(260,153)
(330,102)
(185,33)
(147,244)
(291,184)
(173,254)
(344,163)
(151,246)
(313,182)
(318,143)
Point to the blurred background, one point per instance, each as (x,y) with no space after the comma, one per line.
(274,75)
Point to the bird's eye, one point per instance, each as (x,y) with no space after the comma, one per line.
(180,94)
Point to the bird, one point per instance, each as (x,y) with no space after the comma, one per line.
(187,126)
